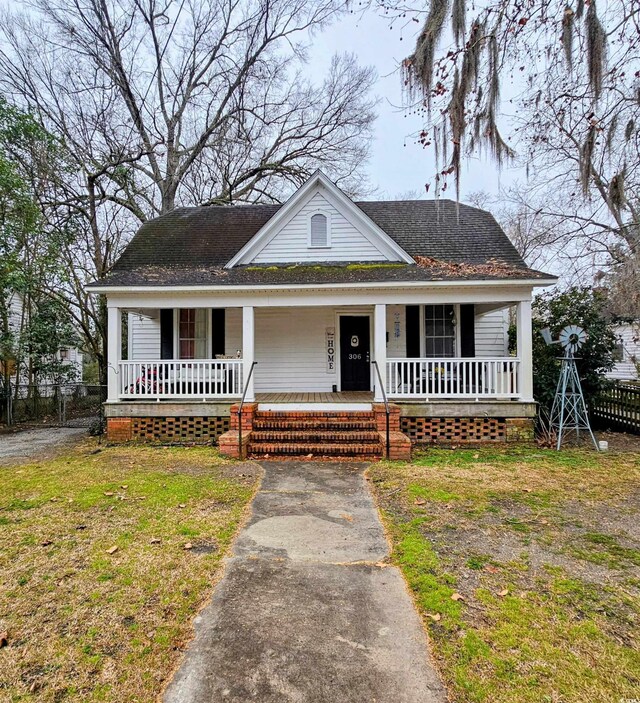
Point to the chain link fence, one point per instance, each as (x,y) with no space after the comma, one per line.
(54,405)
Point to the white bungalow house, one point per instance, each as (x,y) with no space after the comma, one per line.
(324,317)
(70,357)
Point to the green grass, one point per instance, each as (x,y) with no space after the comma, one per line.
(88,625)
(604,549)
(534,623)
(433,588)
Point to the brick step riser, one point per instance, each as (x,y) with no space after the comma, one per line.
(302,425)
(317,457)
(357,414)
(315,437)
(319,449)
(326,417)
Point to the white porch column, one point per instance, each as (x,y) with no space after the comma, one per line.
(380,349)
(248,350)
(114,351)
(525,348)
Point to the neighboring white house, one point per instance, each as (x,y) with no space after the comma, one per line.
(320,305)
(627,352)
(71,356)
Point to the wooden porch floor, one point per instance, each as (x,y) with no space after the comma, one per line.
(341,397)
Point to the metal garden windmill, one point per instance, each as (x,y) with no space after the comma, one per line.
(569,411)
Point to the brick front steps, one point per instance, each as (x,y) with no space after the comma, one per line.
(351,434)
(319,434)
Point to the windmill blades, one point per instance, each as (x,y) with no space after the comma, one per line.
(572,338)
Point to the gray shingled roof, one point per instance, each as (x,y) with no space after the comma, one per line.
(190,246)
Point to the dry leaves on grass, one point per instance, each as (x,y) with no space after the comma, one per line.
(112,622)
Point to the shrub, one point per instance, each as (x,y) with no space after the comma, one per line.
(578,306)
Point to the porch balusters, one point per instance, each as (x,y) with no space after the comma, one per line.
(453,378)
(155,380)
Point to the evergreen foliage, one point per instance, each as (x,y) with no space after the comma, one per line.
(579,306)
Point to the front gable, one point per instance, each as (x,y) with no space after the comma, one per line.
(350,234)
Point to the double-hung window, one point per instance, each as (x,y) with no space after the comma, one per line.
(192,333)
(439,331)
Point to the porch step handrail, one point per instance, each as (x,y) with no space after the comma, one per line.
(454,377)
(244,395)
(386,405)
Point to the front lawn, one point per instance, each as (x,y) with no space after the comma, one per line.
(525,565)
(105,557)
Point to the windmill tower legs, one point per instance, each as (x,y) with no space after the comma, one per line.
(569,411)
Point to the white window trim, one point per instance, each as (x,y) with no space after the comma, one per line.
(327,215)
(456,327)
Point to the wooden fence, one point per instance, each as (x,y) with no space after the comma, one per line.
(619,408)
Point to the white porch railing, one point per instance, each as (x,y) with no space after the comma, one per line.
(453,378)
(197,378)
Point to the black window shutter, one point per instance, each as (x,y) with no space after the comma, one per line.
(166,334)
(217,331)
(467,330)
(413,331)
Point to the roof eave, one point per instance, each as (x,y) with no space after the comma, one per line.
(442,283)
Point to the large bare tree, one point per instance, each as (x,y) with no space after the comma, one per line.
(554,84)
(161,103)
(183,101)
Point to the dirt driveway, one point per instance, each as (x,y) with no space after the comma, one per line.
(29,443)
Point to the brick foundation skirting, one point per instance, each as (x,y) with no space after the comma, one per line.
(167,430)
(458,430)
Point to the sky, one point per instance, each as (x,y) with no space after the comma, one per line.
(395,169)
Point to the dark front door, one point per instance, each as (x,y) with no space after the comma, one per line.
(355,368)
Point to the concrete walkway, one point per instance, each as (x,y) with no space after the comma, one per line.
(307,610)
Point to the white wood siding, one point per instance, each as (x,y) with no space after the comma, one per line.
(75,359)
(15,313)
(492,333)
(290,350)
(291,243)
(396,331)
(629,335)
(144,336)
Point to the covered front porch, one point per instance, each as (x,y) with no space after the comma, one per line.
(320,354)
